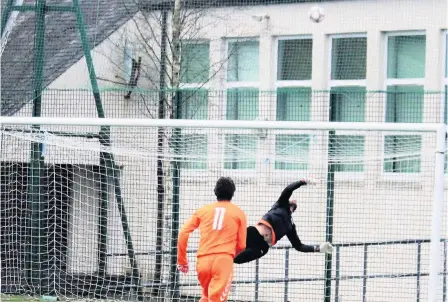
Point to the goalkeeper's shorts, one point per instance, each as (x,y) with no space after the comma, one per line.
(215,274)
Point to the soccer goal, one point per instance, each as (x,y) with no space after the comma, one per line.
(91,208)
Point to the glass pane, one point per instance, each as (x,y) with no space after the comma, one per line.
(347,152)
(128,53)
(404,104)
(243,61)
(347,104)
(446,56)
(294,59)
(446,121)
(291,151)
(402,153)
(194,104)
(293,104)
(348,58)
(240,151)
(194,151)
(242,104)
(406,57)
(195,63)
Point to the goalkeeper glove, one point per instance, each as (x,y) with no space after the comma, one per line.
(325,248)
(183,268)
(310,181)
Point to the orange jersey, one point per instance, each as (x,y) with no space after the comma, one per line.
(222,226)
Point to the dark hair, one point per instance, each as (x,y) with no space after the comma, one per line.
(224,189)
(293,205)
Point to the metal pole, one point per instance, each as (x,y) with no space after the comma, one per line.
(437,214)
(338,274)
(419,258)
(106,159)
(175,204)
(37,249)
(160,139)
(285,294)
(329,217)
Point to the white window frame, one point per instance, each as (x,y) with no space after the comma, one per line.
(397,82)
(356,176)
(196,85)
(245,173)
(284,84)
(280,174)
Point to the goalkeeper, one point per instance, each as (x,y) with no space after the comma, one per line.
(275,224)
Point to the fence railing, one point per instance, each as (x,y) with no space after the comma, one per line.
(286,280)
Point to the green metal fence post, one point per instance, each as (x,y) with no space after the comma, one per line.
(106,165)
(329,218)
(36,200)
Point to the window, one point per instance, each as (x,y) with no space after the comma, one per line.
(347,99)
(404,104)
(194,77)
(346,153)
(347,104)
(128,54)
(294,94)
(291,151)
(243,61)
(348,58)
(239,151)
(195,62)
(194,104)
(402,153)
(406,56)
(294,59)
(194,151)
(242,102)
(294,104)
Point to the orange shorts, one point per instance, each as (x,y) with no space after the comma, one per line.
(215,274)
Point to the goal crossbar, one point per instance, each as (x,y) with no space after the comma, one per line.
(229,124)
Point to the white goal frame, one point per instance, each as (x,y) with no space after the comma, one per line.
(439,129)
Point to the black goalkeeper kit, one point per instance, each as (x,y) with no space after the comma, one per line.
(280,219)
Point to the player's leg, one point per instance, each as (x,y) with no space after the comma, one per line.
(204,271)
(222,276)
(256,247)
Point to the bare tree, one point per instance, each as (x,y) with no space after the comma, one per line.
(158,37)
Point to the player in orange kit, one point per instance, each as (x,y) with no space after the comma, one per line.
(222,226)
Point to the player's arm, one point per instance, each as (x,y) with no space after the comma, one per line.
(297,244)
(242,234)
(283,200)
(182,243)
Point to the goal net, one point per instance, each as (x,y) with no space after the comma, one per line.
(92,208)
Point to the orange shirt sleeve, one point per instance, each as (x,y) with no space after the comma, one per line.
(242,234)
(182,242)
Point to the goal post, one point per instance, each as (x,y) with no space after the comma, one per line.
(387,183)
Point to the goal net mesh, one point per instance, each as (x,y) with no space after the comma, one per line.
(91,215)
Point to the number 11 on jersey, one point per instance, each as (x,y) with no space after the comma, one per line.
(218,218)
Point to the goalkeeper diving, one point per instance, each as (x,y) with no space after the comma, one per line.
(274,225)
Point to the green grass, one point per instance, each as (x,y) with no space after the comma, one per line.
(9,298)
